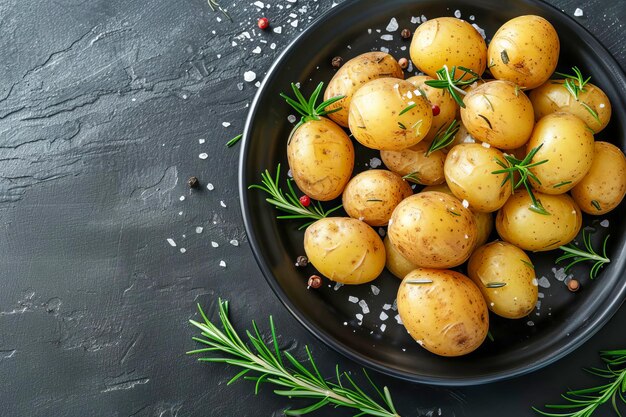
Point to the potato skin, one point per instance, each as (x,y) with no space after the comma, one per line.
(536,232)
(397,264)
(448,107)
(375,119)
(427,170)
(353,74)
(321,158)
(605,182)
(433,230)
(553,97)
(499,114)
(448,41)
(525,50)
(447,317)
(567,144)
(502,262)
(345,250)
(371,196)
(468,170)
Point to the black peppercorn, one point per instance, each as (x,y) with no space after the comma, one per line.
(193,182)
(406,33)
(315,281)
(337,62)
(302,261)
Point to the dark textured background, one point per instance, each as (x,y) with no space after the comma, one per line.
(102,107)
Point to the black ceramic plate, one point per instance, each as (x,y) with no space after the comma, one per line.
(561,323)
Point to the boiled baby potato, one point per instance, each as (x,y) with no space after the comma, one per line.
(386,114)
(506,277)
(567,146)
(519,224)
(372,195)
(498,113)
(353,74)
(433,230)
(446,107)
(413,164)
(397,264)
(448,41)
(604,186)
(484,221)
(321,158)
(345,250)
(443,311)
(462,136)
(553,97)
(524,51)
(468,170)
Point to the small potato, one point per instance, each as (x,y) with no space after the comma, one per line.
(506,277)
(553,97)
(448,41)
(498,113)
(524,51)
(433,230)
(462,136)
(353,74)
(345,250)
(443,311)
(321,158)
(567,144)
(371,196)
(396,263)
(413,164)
(375,120)
(604,186)
(516,223)
(468,170)
(436,97)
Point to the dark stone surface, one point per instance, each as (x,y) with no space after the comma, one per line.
(102,105)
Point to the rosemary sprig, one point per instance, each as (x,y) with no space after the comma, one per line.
(512,165)
(448,80)
(214,5)
(407,109)
(584,402)
(265,363)
(233,141)
(289,202)
(575,84)
(443,137)
(308,108)
(413,176)
(577,255)
(495,284)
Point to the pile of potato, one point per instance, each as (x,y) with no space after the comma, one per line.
(450,221)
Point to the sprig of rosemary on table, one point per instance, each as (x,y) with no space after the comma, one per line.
(289,202)
(584,402)
(576,255)
(575,84)
(447,81)
(265,363)
(512,165)
(443,137)
(214,5)
(308,108)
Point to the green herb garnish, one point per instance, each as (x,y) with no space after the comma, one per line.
(486,120)
(418,281)
(528,264)
(413,176)
(408,109)
(596,205)
(575,84)
(577,255)
(561,184)
(443,137)
(233,141)
(495,284)
(447,81)
(504,56)
(401,126)
(214,5)
(265,363)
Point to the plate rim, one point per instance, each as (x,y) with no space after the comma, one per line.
(591,327)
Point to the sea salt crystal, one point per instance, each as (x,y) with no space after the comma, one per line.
(472,17)
(375,162)
(353,299)
(465,203)
(457,14)
(273,45)
(538,305)
(201,141)
(278,29)
(225,124)
(382,232)
(295,23)
(359,317)
(559,274)
(486,145)
(387,37)
(256,50)
(171,242)
(398,319)
(383,316)
(530,323)
(415,19)
(234,242)
(601,105)
(183,250)
(386,306)
(383,327)
(578,12)
(181,198)
(210,187)
(291,118)
(364,307)
(199,229)
(337,286)
(222,204)
(203,155)
(480,30)
(394,307)
(544,282)
(223,264)
(249,76)
(604,223)
(214,244)
(259,4)
(393,25)
(535,282)
(540,295)
(383,49)
(375,289)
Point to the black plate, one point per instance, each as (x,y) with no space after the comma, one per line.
(562,323)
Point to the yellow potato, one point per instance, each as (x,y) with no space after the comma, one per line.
(372,195)
(516,223)
(375,115)
(506,277)
(567,144)
(397,264)
(353,74)
(498,113)
(604,186)
(448,41)
(468,170)
(443,311)
(345,250)
(415,165)
(321,158)
(462,136)
(448,107)
(553,97)
(433,230)
(525,51)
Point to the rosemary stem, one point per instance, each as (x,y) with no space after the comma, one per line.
(587,256)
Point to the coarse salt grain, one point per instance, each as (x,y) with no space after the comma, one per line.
(364,306)
(383,316)
(353,299)
(604,223)
(465,203)
(278,29)
(359,317)
(383,49)
(199,229)
(222,204)
(375,162)
(183,250)
(375,289)
(530,323)
(210,187)
(214,244)
(535,282)
(203,155)
(578,12)
(387,37)
(171,242)
(337,286)
(181,198)
(544,282)
(601,105)
(225,124)
(234,242)
(398,319)
(201,141)
(382,232)
(486,145)
(386,306)
(223,264)
(383,327)
(291,118)
(249,76)
(393,25)
(457,14)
